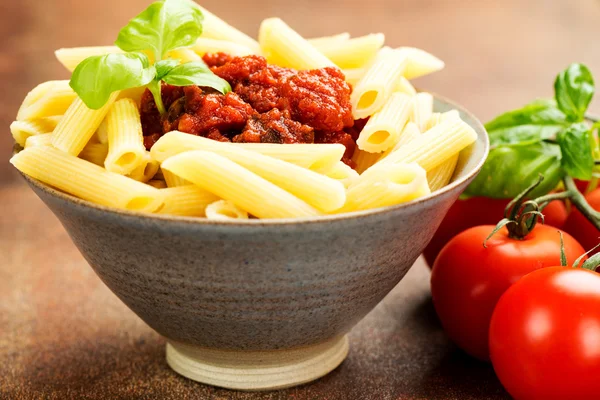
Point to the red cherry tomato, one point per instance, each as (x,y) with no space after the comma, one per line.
(582,229)
(545,336)
(467,279)
(465,214)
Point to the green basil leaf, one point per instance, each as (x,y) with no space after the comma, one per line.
(574,89)
(511,169)
(577,157)
(163,67)
(534,122)
(95,78)
(162,27)
(196,73)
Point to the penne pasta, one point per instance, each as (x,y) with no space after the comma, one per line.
(215,28)
(410,132)
(22,130)
(316,157)
(72,57)
(329,40)
(134,94)
(146,170)
(404,86)
(157,183)
(95,153)
(173,180)
(224,210)
(353,53)
(437,118)
(189,200)
(383,129)
(364,160)
(441,175)
(184,55)
(47,99)
(387,185)
(422,110)
(373,91)
(343,173)
(78,125)
(433,147)
(283,46)
(237,184)
(206,45)
(126,150)
(86,180)
(420,62)
(319,191)
(354,75)
(45,139)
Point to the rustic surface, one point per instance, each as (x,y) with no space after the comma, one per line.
(63,335)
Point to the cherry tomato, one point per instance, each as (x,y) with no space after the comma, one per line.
(467,279)
(582,229)
(545,336)
(465,214)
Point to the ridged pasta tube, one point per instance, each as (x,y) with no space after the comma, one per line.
(224,210)
(189,200)
(126,150)
(384,127)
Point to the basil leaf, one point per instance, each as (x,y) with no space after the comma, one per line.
(577,157)
(163,67)
(162,27)
(534,122)
(95,78)
(573,89)
(196,73)
(511,169)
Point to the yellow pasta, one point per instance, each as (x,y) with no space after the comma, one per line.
(353,53)
(433,147)
(383,129)
(45,139)
(86,180)
(95,153)
(317,157)
(173,180)
(437,118)
(420,62)
(324,193)
(157,183)
(409,133)
(375,88)
(214,27)
(441,175)
(78,125)
(126,150)
(134,94)
(184,55)
(146,170)
(23,130)
(343,173)
(422,110)
(354,75)
(224,210)
(189,200)
(404,86)
(364,160)
(387,185)
(47,99)
(101,134)
(72,57)
(235,183)
(206,45)
(326,41)
(283,46)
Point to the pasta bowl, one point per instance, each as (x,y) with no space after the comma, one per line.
(258,304)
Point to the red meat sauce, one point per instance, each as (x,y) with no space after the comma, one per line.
(267,104)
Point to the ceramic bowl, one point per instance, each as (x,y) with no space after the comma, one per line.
(260,304)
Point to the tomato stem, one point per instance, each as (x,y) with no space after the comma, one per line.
(581,203)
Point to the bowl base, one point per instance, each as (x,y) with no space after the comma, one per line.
(257,370)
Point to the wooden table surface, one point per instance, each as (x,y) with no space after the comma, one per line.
(64,335)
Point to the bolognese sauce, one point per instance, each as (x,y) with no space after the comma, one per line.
(267,104)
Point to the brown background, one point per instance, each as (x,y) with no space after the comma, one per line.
(64,335)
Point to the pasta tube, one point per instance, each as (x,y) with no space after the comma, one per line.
(173,180)
(316,157)
(184,55)
(205,45)
(343,173)
(441,175)
(383,129)
(329,40)
(126,150)
(189,200)
(95,153)
(146,170)
(354,75)
(157,183)
(374,89)
(353,53)
(224,210)
(45,139)
(235,183)
(324,193)
(438,118)
(422,110)
(86,180)
(72,57)
(364,160)
(23,130)
(387,185)
(47,99)
(214,27)
(410,132)
(404,86)
(78,125)
(283,46)
(420,62)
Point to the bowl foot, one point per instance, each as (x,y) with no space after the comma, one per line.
(257,370)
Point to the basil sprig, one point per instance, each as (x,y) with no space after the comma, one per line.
(164,26)
(547,136)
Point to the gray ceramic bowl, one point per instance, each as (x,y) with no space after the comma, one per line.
(258,304)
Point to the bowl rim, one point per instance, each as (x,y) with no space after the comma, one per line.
(479,127)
